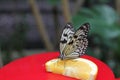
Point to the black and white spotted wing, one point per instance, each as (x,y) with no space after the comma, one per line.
(73,43)
(66,36)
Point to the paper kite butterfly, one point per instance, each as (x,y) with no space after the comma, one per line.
(73,43)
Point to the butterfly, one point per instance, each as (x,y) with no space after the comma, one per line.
(73,43)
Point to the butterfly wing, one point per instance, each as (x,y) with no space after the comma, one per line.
(81,39)
(67,34)
(77,45)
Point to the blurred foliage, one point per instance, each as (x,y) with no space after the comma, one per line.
(53,2)
(104,39)
(15,42)
(99,1)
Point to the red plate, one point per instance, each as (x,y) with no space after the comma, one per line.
(33,68)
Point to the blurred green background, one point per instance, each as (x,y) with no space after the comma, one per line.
(33,26)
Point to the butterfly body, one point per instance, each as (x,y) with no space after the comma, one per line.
(73,43)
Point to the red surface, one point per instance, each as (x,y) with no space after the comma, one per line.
(117,79)
(33,68)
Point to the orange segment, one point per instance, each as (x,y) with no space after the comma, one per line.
(77,68)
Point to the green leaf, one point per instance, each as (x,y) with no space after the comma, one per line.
(107,13)
(102,19)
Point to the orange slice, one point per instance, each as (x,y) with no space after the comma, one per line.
(79,68)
